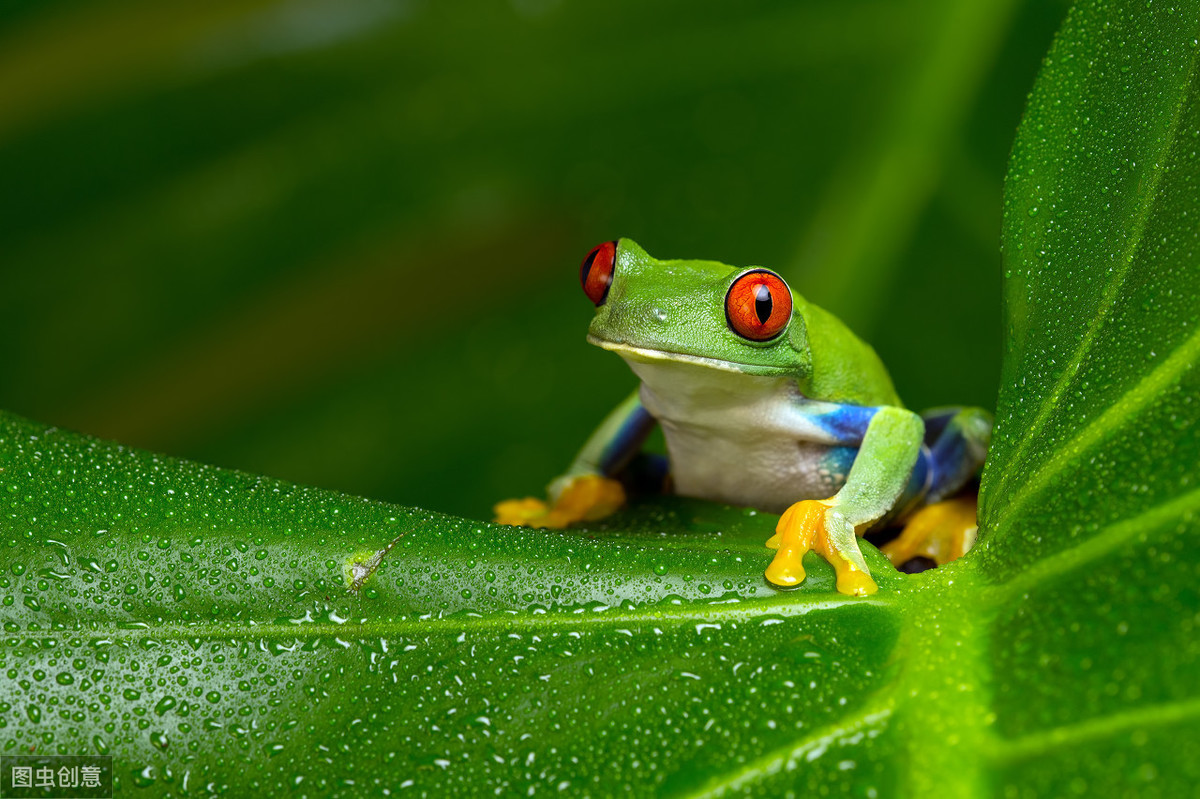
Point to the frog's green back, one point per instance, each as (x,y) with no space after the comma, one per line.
(844,367)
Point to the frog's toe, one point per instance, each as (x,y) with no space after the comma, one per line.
(795,535)
(527,512)
(803,528)
(589,497)
(584,499)
(941,532)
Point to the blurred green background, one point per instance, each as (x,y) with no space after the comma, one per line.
(337,241)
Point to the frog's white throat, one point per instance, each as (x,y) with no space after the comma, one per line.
(732,436)
(679,387)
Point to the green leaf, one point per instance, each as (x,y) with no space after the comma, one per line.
(209,626)
(1090,494)
(216,631)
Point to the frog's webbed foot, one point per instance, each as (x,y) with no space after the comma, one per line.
(584,498)
(941,532)
(818,526)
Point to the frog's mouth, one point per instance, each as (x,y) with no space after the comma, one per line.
(645,355)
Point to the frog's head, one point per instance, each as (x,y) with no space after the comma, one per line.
(699,312)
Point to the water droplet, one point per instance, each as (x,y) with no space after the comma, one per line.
(144,778)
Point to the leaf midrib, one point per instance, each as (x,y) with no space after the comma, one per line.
(498,621)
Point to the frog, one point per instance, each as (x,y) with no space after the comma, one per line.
(765,401)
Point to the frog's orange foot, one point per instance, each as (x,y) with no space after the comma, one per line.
(527,512)
(586,498)
(941,532)
(801,529)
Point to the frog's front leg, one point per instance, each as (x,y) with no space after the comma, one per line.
(587,490)
(881,470)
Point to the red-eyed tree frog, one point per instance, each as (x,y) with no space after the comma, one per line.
(767,401)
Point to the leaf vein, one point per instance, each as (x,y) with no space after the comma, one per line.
(787,757)
(1009,751)
(1120,412)
(1101,544)
(1113,291)
(509,621)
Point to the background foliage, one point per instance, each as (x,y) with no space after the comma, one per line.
(336,241)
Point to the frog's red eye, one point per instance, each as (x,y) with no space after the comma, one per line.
(758,305)
(596,271)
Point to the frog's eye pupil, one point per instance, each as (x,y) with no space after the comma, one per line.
(758,305)
(762,303)
(596,271)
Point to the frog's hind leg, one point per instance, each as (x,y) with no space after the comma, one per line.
(941,532)
(956,440)
(946,526)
